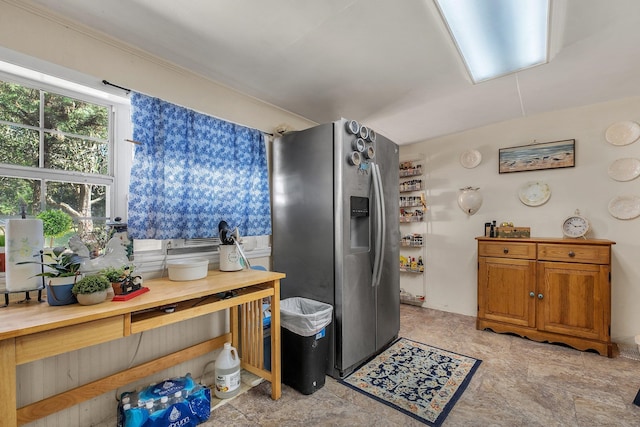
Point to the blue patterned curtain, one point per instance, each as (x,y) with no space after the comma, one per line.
(191,171)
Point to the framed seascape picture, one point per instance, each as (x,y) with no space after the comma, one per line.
(548,155)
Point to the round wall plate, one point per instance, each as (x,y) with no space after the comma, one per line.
(470,159)
(625,207)
(624,169)
(534,193)
(622,133)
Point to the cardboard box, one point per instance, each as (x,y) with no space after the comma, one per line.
(514,232)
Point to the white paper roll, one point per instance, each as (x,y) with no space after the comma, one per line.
(23,242)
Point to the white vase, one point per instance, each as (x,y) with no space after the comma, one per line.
(93,298)
(469,200)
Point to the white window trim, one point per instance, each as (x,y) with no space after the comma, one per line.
(47,76)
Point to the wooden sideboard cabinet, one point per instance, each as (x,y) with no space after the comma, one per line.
(554,290)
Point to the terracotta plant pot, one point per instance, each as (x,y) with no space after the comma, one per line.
(117,287)
(91,299)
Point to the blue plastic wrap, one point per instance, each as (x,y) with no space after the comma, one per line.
(182,412)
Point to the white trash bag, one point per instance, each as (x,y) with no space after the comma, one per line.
(304,316)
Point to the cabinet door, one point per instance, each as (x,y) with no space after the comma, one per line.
(574,299)
(504,290)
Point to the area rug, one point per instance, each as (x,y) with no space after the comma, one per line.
(419,380)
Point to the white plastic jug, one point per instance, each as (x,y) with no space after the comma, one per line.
(227,372)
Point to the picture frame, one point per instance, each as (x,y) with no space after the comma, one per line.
(532,157)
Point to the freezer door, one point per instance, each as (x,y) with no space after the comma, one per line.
(303,213)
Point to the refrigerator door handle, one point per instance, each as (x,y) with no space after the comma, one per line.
(380,225)
(383,233)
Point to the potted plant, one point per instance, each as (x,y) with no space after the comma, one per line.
(55,223)
(61,269)
(115,277)
(91,289)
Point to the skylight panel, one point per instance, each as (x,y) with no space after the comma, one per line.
(498,37)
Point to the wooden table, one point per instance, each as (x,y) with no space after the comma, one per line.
(36,331)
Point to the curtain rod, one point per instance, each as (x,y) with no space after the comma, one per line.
(107,83)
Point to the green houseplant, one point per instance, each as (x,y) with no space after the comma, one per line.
(59,263)
(55,223)
(61,269)
(91,289)
(115,276)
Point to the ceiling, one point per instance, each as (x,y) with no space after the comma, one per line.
(388,64)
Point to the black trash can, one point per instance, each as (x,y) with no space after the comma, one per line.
(305,345)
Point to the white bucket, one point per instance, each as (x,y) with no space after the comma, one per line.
(230,259)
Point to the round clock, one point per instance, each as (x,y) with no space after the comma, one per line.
(575,226)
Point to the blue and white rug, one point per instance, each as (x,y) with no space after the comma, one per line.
(419,380)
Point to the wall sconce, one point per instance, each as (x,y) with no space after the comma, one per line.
(469,200)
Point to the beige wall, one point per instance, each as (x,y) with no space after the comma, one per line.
(451,248)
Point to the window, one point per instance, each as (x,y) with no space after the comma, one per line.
(57,152)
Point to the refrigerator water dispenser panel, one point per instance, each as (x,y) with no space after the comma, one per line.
(359,208)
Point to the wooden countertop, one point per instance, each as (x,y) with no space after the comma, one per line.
(24,319)
(548,240)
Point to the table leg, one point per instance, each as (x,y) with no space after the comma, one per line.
(276,387)
(8,387)
(235,326)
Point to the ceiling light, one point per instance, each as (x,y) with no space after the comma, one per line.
(498,37)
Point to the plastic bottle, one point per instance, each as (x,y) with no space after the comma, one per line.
(176,398)
(149,406)
(164,403)
(227,372)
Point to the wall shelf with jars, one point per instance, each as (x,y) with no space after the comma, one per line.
(412,208)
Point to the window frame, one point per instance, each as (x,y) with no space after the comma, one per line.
(119,123)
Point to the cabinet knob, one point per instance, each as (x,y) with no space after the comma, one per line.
(532,294)
(540,296)
(505,250)
(572,254)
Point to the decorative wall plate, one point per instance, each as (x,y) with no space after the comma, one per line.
(534,193)
(470,159)
(625,207)
(623,133)
(624,169)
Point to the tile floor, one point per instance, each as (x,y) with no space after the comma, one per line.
(519,383)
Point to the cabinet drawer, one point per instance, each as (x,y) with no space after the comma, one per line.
(589,254)
(507,250)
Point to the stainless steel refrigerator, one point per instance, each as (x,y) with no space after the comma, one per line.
(336,233)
